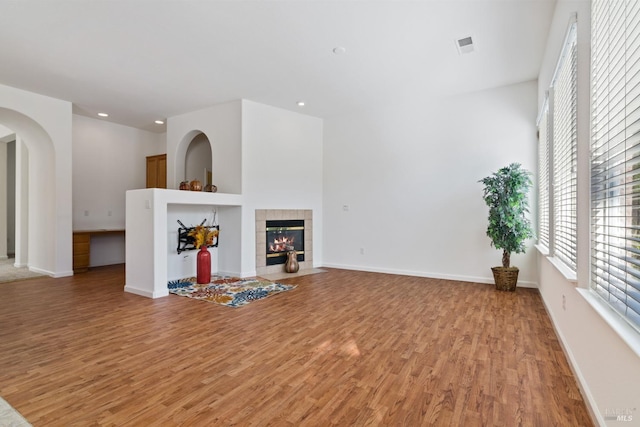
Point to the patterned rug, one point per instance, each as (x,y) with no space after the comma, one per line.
(228,291)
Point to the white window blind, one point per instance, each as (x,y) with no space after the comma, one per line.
(543,178)
(615,155)
(564,161)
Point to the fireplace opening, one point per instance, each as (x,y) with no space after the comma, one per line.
(283,236)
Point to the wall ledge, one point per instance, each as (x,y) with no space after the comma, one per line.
(568,274)
(625,331)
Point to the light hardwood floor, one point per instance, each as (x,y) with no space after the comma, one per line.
(345,348)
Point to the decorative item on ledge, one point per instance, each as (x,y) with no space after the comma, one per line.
(203,262)
(184,185)
(292,265)
(210,188)
(196,185)
(191,238)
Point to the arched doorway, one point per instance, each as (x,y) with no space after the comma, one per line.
(35,195)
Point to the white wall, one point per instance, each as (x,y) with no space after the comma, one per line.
(4,200)
(607,369)
(11,197)
(273,157)
(108,160)
(44,125)
(221,124)
(7,167)
(281,169)
(401,191)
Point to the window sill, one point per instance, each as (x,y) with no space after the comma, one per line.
(568,274)
(542,249)
(628,334)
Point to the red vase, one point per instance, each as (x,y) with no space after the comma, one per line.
(203,265)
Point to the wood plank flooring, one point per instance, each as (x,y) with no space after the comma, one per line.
(345,348)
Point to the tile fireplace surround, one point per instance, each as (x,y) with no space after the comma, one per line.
(264,215)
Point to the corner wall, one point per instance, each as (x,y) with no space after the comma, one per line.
(608,371)
(271,156)
(401,191)
(108,160)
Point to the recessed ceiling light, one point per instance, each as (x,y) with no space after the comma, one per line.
(159,122)
(300,103)
(339,50)
(103,114)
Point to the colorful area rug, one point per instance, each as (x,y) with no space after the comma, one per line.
(228,291)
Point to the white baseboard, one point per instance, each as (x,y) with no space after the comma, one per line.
(590,401)
(63,274)
(145,293)
(474,279)
(42,271)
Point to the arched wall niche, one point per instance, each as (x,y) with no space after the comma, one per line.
(35,192)
(198,160)
(187,166)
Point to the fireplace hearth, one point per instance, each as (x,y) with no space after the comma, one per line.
(288,228)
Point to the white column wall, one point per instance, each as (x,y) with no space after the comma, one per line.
(3,200)
(281,169)
(22,204)
(44,124)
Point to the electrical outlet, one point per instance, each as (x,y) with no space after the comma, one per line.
(109,213)
(86,213)
(564,302)
(361,251)
(345,208)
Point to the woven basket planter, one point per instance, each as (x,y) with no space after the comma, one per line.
(506,278)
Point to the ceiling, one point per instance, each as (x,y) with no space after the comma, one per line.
(142,60)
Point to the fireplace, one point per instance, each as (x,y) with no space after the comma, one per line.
(302,239)
(283,236)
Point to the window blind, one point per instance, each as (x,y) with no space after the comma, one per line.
(564,159)
(543,178)
(615,155)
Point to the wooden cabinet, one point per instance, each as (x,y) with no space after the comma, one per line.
(157,171)
(81,255)
(82,247)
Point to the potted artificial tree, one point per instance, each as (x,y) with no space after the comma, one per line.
(506,192)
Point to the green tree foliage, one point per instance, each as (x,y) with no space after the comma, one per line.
(505,192)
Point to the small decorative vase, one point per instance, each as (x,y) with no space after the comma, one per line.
(196,185)
(210,188)
(203,265)
(184,185)
(292,266)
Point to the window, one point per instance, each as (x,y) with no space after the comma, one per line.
(615,155)
(543,178)
(557,177)
(564,139)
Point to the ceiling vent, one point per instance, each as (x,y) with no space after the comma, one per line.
(465,45)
